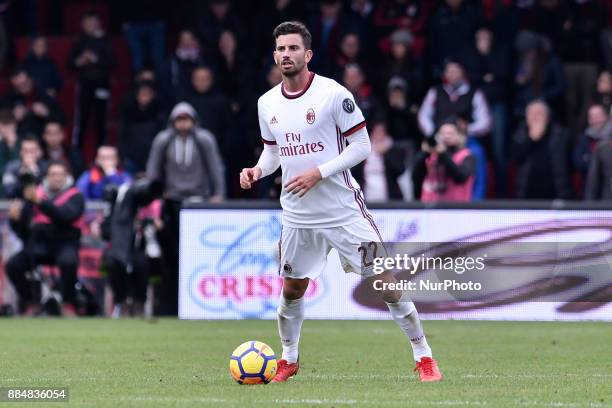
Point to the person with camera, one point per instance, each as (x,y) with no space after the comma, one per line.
(444,170)
(133,252)
(48,220)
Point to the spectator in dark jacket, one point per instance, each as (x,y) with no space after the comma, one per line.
(599,179)
(30,166)
(91,57)
(541,150)
(212,106)
(5,40)
(401,63)
(105,172)
(350,52)
(235,77)
(391,15)
(145,30)
(490,70)
(378,174)
(358,84)
(270,14)
(327,28)
(599,130)
(42,68)
(141,119)
(214,17)
(539,74)
(362,12)
(176,75)
(603,90)
(401,113)
(31,107)
(579,47)
(48,221)
(9,149)
(55,149)
(451,31)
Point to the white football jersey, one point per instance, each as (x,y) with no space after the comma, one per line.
(311,128)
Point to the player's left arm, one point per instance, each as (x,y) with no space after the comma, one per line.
(350,121)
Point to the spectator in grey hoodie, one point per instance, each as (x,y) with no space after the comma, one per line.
(185,159)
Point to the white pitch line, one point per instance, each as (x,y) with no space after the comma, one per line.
(376,402)
(341,401)
(557,376)
(557,404)
(313,401)
(401,377)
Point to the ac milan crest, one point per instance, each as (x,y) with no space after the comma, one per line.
(310,116)
(287,268)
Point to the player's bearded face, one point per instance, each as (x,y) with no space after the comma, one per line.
(290,54)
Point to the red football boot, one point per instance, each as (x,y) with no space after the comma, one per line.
(428,370)
(285,370)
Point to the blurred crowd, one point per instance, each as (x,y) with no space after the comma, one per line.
(525,84)
(464,99)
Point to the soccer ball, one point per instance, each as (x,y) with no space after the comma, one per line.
(253,362)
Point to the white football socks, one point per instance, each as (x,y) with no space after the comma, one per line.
(407,318)
(290,318)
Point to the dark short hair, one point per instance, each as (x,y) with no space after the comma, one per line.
(457,121)
(54,122)
(90,14)
(6,116)
(293,27)
(598,105)
(539,101)
(57,163)
(204,67)
(449,61)
(30,137)
(18,71)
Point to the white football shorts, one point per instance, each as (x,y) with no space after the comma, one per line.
(304,251)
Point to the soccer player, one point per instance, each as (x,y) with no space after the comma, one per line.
(311,127)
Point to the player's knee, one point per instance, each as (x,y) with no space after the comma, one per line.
(388,295)
(391,296)
(294,288)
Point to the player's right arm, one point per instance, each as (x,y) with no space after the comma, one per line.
(269,159)
(350,121)
(267,164)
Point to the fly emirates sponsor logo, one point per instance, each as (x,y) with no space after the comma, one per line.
(295,147)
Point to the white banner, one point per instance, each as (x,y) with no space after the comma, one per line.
(229,261)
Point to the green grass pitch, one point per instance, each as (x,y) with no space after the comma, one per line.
(172,363)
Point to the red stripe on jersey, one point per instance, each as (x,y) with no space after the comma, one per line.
(302,92)
(268,142)
(280,253)
(354,129)
(358,196)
